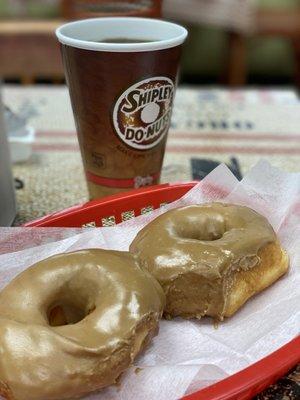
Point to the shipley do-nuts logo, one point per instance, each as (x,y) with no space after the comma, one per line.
(142,113)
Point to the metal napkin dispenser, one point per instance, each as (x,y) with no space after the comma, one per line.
(7,193)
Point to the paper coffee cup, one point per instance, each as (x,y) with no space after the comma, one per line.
(122,75)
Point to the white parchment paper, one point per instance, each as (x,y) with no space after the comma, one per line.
(189,355)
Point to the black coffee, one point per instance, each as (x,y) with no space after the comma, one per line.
(125,40)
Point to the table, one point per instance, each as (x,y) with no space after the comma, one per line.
(210,123)
(214,124)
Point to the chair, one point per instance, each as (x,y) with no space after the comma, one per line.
(29,50)
(77,9)
(268,22)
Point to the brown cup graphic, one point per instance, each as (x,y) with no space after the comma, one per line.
(122,74)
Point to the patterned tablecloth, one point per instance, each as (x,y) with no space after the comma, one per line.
(206,124)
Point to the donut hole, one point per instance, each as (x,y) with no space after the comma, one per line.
(204,236)
(66,313)
(204,228)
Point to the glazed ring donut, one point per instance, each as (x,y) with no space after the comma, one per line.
(210,259)
(71,324)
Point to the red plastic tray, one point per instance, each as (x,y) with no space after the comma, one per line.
(114,209)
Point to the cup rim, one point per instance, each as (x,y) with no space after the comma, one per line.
(161,44)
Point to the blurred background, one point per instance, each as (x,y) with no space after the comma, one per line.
(231,42)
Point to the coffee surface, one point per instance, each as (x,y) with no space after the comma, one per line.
(125,40)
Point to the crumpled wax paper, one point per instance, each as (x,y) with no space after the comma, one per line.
(189,355)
